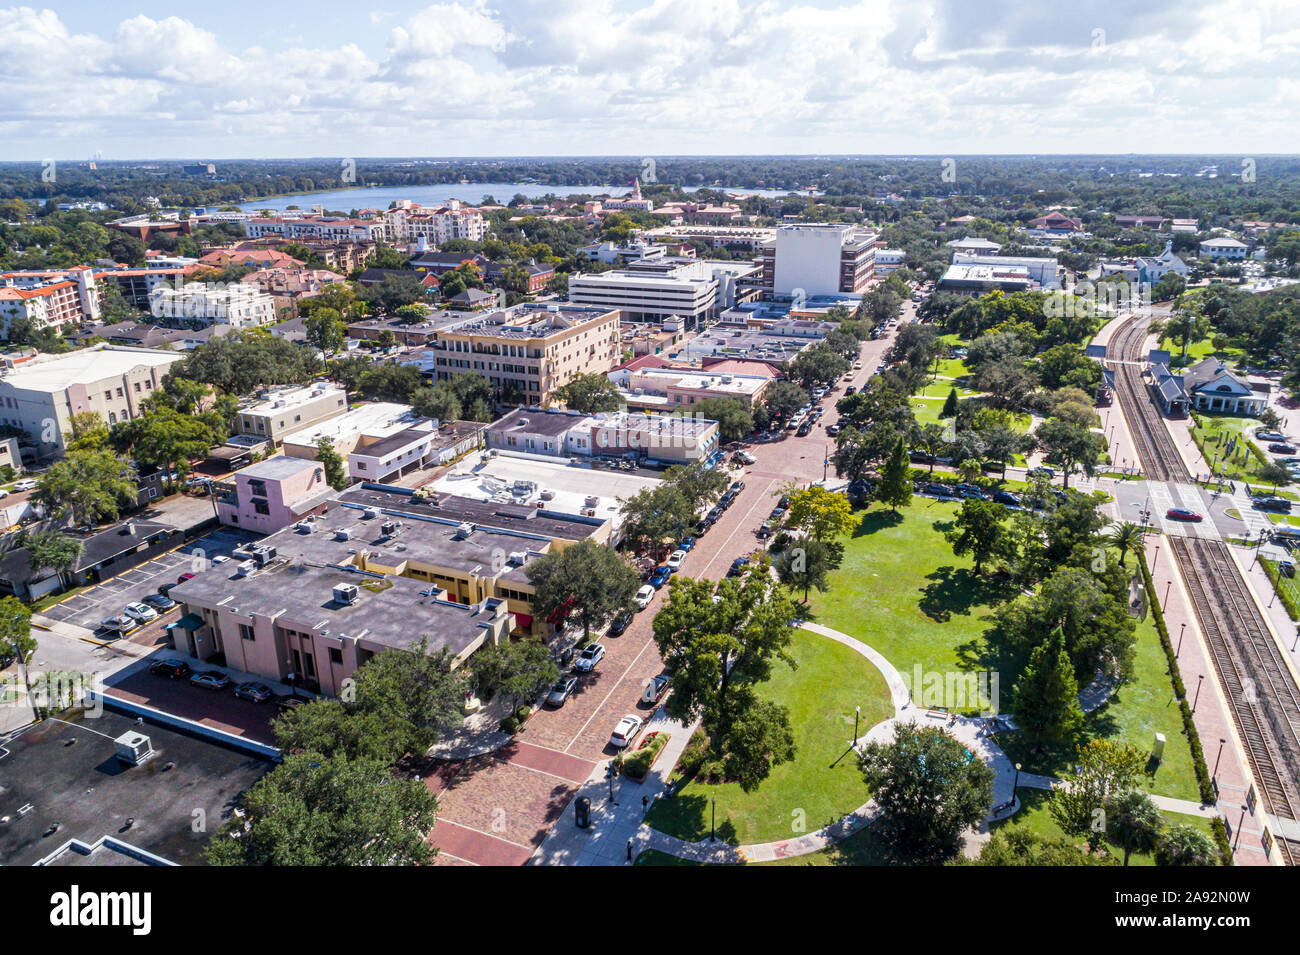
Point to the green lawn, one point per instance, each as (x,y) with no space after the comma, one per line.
(1198,351)
(1212,434)
(1035,817)
(903,591)
(1137,711)
(821,694)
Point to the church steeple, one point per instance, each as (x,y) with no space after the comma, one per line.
(636,188)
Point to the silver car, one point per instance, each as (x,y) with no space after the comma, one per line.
(562,690)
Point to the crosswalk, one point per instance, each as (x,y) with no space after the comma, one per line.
(1253,521)
(1165,496)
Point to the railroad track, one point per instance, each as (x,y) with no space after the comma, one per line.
(1262,695)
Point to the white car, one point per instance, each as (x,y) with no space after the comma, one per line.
(643,597)
(625,732)
(674,561)
(140,613)
(25,485)
(589,657)
(746,457)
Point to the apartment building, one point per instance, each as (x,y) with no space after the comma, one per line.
(41,396)
(81,276)
(409,222)
(528,351)
(818,259)
(363,424)
(214,303)
(138,285)
(317,227)
(283,411)
(55,305)
(1224,248)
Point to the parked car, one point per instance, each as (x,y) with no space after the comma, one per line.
(778,512)
(3,494)
(255,692)
(804,430)
(1007,498)
(592,654)
(686,544)
(27,484)
(737,487)
(713,515)
(172,669)
(738,566)
(1279,504)
(643,597)
(160,602)
(140,613)
(655,689)
(1042,469)
(564,686)
(166,589)
(674,561)
(119,624)
(1265,435)
(211,680)
(625,732)
(764,530)
(619,623)
(184,577)
(1287,568)
(1182,514)
(850,390)
(1280,448)
(746,457)
(660,577)
(288,703)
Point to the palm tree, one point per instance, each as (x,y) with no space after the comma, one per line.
(1127,536)
(1133,822)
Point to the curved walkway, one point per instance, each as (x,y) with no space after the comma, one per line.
(969,731)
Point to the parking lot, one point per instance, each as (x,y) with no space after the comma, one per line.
(106,599)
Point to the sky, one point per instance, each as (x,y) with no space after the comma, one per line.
(245,79)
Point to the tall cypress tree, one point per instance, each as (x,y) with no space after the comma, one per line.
(896,479)
(1047,695)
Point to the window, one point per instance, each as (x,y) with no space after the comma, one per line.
(260,506)
(137,387)
(246,632)
(336,656)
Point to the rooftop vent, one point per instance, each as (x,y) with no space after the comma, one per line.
(343,534)
(369,514)
(463,531)
(133,748)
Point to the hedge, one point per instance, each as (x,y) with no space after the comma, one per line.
(1180,691)
(637,766)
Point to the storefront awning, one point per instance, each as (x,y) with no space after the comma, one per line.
(190,622)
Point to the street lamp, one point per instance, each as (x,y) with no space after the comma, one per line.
(1217,756)
(1015,783)
(857,712)
(1182,631)
(713,821)
(1199,678)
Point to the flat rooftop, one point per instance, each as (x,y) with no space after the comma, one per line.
(68,775)
(390,612)
(379,419)
(84,367)
(277,468)
(289,398)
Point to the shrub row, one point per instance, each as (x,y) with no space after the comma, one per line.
(637,766)
(1171,661)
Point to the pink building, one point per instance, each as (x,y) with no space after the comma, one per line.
(270,495)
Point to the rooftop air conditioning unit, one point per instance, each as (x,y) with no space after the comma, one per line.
(133,748)
(463,531)
(588,512)
(243,567)
(346,593)
(369,514)
(388,527)
(517,558)
(343,534)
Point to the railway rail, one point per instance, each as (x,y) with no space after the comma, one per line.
(1262,694)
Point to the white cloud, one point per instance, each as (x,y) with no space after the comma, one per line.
(662,76)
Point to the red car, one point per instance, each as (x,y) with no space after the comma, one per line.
(1182,514)
(184,577)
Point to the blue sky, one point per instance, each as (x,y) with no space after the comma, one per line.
(511,77)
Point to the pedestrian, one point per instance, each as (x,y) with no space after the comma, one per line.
(629,850)
(645,803)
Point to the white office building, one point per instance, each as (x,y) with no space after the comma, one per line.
(652,290)
(1043,271)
